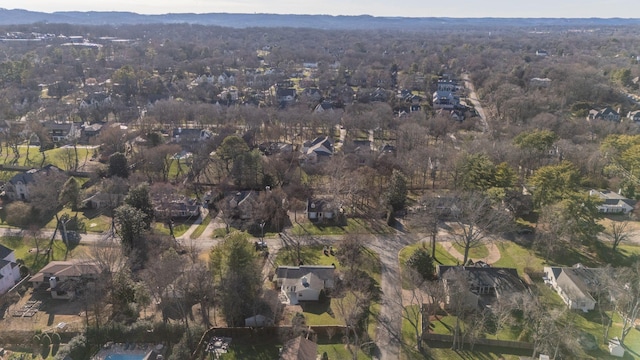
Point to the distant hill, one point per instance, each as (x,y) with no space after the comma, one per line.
(16,17)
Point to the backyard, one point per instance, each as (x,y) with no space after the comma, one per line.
(523,259)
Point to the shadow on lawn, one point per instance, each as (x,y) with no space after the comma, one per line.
(318,307)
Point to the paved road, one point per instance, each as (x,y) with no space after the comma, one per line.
(473,97)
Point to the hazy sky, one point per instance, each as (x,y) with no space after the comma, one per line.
(412,8)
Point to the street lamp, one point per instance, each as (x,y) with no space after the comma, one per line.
(262,231)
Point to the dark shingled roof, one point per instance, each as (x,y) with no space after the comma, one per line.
(299,349)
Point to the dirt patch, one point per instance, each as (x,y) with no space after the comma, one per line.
(48,316)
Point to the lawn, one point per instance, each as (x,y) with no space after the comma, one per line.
(200,229)
(24,248)
(251,352)
(476,252)
(59,157)
(354,226)
(179,227)
(339,352)
(515,256)
(270,351)
(442,257)
(88,220)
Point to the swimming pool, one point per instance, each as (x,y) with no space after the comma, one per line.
(125,357)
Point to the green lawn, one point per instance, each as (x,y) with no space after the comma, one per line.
(88,220)
(179,227)
(60,157)
(515,256)
(354,226)
(339,352)
(200,229)
(477,252)
(24,248)
(442,258)
(336,351)
(251,352)
(408,329)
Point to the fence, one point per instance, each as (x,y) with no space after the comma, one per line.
(481,341)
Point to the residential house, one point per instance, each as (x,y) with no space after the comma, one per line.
(539,82)
(323,106)
(285,96)
(305,282)
(177,208)
(95,100)
(322,211)
(91,130)
(299,348)
(342,94)
(190,136)
(65,279)
(606,113)
(270,148)
(240,204)
(312,94)
(616,348)
(102,200)
(542,53)
(18,186)
(485,283)
(318,149)
(456,115)
(445,100)
(9,269)
(634,116)
(574,285)
(62,131)
(612,202)
(226,79)
(448,85)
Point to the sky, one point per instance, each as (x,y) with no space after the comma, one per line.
(404,8)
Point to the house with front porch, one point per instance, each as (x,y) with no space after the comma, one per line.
(305,282)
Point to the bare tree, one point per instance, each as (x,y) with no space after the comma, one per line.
(477,219)
(627,297)
(617,233)
(351,252)
(415,306)
(36,234)
(352,307)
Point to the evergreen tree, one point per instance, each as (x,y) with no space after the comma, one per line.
(396,195)
(118,165)
(70,194)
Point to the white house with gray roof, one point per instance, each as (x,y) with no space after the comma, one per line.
(574,285)
(612,202)
(9,269)
(304,283)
